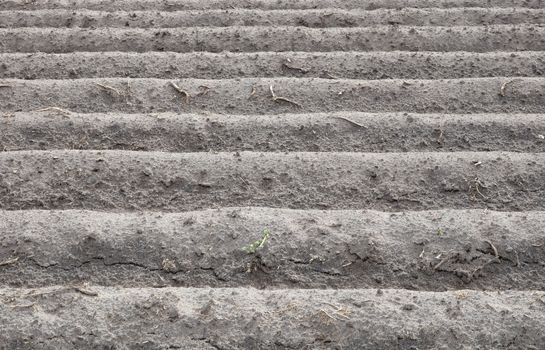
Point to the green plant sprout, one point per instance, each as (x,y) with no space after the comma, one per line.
(254,247)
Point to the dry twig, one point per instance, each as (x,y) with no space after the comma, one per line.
(279,98)
(181,91)
(253,91)
(474,187)
(339,310)
(9,261)
(441,137)
(109,88)
(493,248)
(85,291)
(352,122)
(478,268)
(328,315)
(54,109)
(22,306)
(204,91)
(422,253)
(288,65)
(336,307)
(503,86)
(518,260)
(445,259)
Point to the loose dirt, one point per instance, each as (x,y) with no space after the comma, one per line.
(318,132)
(320,18)
(283,319)
(283,38)
(312,174)
(253,95)
(329,65)
(176,5)
(343,180)
(421,250)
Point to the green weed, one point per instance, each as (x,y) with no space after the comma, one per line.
(254,247)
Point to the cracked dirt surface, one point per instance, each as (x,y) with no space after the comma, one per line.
(310,249)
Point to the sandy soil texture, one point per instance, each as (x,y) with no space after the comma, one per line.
(54,318)
(318,132)
(425,250)
(320,18)
(341,180)
(329,65)
(174,5)
(505,37)
(273,95)
(272,174)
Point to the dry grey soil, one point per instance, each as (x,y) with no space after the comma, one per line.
(312,174)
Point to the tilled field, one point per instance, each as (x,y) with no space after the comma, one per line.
(313,174)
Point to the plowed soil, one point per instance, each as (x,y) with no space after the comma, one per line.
(312,174)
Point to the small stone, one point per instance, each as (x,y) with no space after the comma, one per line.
(147,172)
